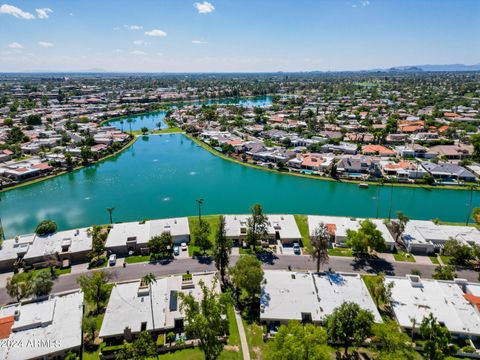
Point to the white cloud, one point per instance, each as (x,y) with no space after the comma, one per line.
(15,45)
(204,7)
(118,51)
(14,11)
(156,32)
(365,2)
(199,42)
(138,52)
(45,44)
(133,27)
(141,42)
(43,13)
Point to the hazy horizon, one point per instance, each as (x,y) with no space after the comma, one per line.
(221,36)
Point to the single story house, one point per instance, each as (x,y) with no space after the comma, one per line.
(310,297)
(128,237)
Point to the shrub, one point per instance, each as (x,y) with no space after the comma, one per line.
(46,227)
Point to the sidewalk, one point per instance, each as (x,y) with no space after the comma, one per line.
(243,337)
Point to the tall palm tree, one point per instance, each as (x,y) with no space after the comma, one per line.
(149,279)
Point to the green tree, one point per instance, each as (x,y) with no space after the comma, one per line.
(144,130)
(18,286)
(320,243)
(201,236)
(296,341)
(461,253)
(398,226)
(98,243)
(206,320)
(446,272)
(161,245)
(349,325)
(46,227)
(391,343)
(222,249)
(42,283)
(256,226)
(143,347)
(95,288)
(382,292)
(367,238)
(86,154)
(475,140)
(247,276)
(437,339)
(68,160)
(476,215)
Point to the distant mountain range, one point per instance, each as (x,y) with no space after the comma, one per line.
(448,67)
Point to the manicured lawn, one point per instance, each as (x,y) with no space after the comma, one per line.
(254,333)
(403,256)
(446,259)
(302,223)
(137,259)
(340,252)
(434,260)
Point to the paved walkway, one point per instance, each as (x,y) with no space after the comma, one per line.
(243,337)
(422,259)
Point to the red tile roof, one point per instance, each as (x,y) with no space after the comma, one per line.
(6,324)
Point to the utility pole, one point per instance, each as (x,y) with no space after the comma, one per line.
(469,206)
(110,211)
(2,233)
(391,199)
(199,202)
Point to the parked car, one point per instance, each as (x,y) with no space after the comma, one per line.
(112,260)
(184,246)
(176,250)
(296,249)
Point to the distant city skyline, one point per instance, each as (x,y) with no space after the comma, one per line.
(236,36)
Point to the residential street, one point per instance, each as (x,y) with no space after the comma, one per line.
(280,262)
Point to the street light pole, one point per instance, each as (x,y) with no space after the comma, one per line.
(470,205)
(391,199)
(110,211)
(199,202)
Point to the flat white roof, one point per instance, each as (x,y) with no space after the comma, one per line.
(342,224)
(11,248)
(427,232)
(56,322)
(286,295)
(417,298)
(284,224)
(143,232)
(130,306)
(79,239)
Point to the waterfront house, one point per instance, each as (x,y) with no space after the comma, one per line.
(338,227)
(134,307)
(356,166)
(63,247)
(402,170)
(281,228)
(453,152)
(133,237)
(426,237)
(310,297)
(42,329)
(414,298)
(445,172)
(413,150)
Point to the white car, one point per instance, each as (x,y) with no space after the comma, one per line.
(112,260)
(183,246)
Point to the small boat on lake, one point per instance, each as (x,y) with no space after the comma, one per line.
(363,185)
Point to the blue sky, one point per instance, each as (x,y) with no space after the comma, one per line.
(236,35)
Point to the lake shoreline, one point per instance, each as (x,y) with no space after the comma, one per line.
(324,178)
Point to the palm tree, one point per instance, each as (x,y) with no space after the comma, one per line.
(149,279)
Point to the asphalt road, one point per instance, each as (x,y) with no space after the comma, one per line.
(280,262)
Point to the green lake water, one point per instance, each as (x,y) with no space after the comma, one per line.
(161,176)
